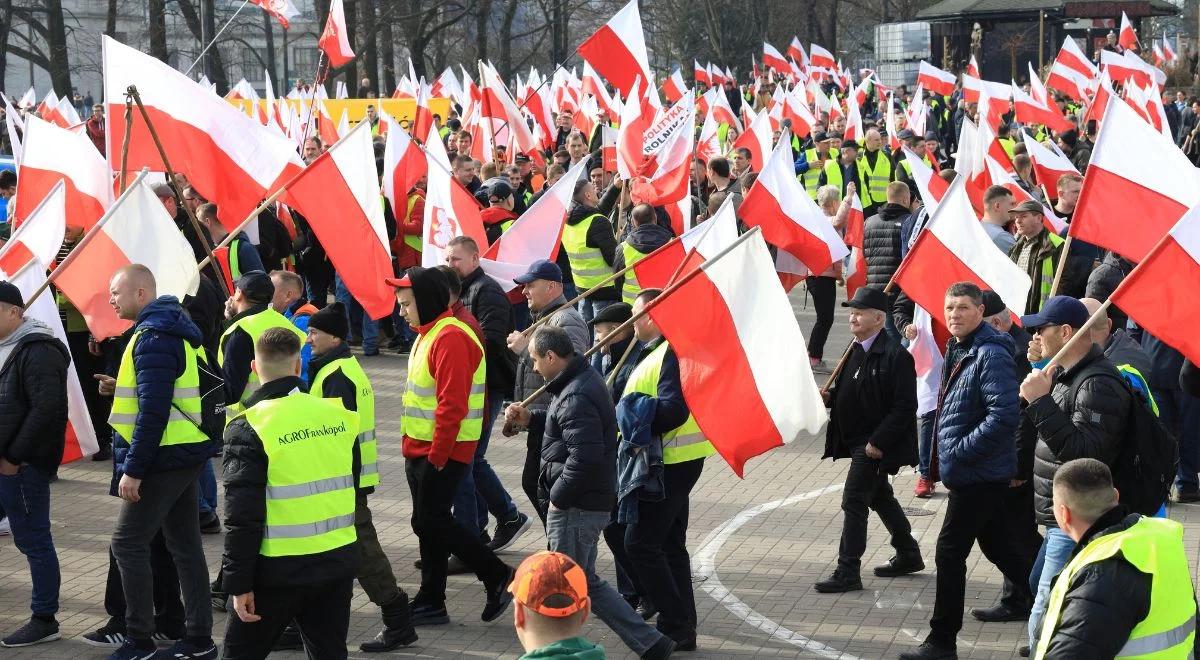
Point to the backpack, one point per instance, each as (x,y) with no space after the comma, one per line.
(1144,468)
(212,401)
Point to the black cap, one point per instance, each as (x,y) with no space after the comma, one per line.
(819,136)
(9,293)
(542,269)
(615,313)
(331,320)
(930,135)
(521,158)
(847,144)
(869,298)
(1059,310)
(256,285)
(992,303)
(499,190)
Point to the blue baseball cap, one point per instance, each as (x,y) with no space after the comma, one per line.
(1059,310)
(542,269)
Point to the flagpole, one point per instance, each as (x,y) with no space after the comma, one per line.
(612,377)
(215,37)
(671,288)
(312,99)
(125,142)
(191,214)
(841,363)
(87,238)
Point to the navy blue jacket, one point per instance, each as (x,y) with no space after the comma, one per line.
(158,360)
(978,412)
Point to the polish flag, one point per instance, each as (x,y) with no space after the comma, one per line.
(1127,38)
(789,219)
(757,138)
(403,164)
(955,248)
(38,239)
(339,195)
(659,268)
(1073,58)
(821,58)
(773,59)
(674,88)
(1049,164)
(927,358)
(973,68)
(283,10)
(1159,294)
(1138,185)
(667,183)
(999,177)
(636,118)
(854,123)
(1031,111)
(445,85)
(135,230)
(536,103)
(893,141)
(792,107)
(708,145)
(618,49)
(716,75)
(28,99)
(15,128)
(230,159)
(1036,89)
(608,148)
(721,109)
(65,112)
(497,103)
(450,210)
(422,115)
(1168,52)
(931,187)
(974,87)
(326,129)
(60,155)
(334,41)
(1069,81)
(1099,103)
(935,80)
(592,84)
(1159,58)
(733,355)
(796,52)
(700,74)
(856,271)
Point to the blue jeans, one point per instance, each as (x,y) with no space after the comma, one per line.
(1051,558)
(356,317)
(25,497)
(925,443)
(575,533)
(590,308)
(1180,413)
(206,488)
(480,490)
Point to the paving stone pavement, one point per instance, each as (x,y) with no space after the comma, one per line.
(757,545)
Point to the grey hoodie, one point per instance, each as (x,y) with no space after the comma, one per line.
(31,326)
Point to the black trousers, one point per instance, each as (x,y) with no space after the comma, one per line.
(867,489)
(1018,514)
(321,612)
(168,607)
(655,555)
(532,471)
(824,291)
(440,534)
(86,366)
(973,513)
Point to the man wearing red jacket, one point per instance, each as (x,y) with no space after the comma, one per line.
(441,424)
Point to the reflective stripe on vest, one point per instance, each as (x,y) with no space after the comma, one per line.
(1153,546)
(420,394)
(227,260)
(631,288)
(185,399)
(875,181)
(364,404)
(682,443)
(1047,273)
(309,443)
(812,177)
(587,263)
(254,325)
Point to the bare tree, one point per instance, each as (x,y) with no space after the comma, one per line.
(46,47)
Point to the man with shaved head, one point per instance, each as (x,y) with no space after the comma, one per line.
(874,173)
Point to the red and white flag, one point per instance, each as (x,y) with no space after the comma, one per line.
(931,187)
(230,159)
(1049,164)
(1138,185)
(974,87)
(773,59)
(893,140)
(1069,81)
(796,52)
(1160,293)
(718,103)
(339,195)
(927,358)
(1168,52)
(856,271)
(819,57)
(283,10)
(973,67)
(935,80)
(1127,38)
(497,103)
(1000,177)
(403,164)
(757,138)
(15,128)
(537,103)
(28,99)
(335,41)
(788,217)
(708,145)
(54,154)
(733,355)
(673,88)
(661,267)
(450,210)
(955,248)
(618,49)
(667,183)
(700,74)
(136,230)
(792,108)
(422,115)
(1036,89)
(1031,111)
(37,240)
(1071,57)
(854,123)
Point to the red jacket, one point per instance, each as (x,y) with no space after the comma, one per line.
(453,358)
(409,224)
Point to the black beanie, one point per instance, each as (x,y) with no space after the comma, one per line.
(331,320)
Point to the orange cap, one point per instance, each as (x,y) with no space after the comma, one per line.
(551,584)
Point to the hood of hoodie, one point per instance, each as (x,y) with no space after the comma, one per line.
(165,315)
(579,212)
(30,331)
(495,215)
(648,238)
(429,289)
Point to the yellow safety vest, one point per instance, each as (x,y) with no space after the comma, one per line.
(410,240)
(812,177)
(309,442)
(1009,145)
(254,325)
(873,183)
(588,267)
(631,288)
(185,399)
(833,175)
(682,443)
(420,392)
(364,403)
(1154,546)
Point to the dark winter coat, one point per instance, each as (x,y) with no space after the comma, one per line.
(488,304)
(33,399)
(882,243)
(567,318)
(1090,426)
(579,441)
(1105,279)
(645,239)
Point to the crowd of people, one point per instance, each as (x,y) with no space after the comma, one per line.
(258,368)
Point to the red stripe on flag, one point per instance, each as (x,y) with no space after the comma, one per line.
(929,269)
(1160,295)
(1120,215)
(85,283)
(609,56)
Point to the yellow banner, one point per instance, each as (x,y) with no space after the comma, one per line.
(402,110)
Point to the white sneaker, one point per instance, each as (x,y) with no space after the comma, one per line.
(5,529)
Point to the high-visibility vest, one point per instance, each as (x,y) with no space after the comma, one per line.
(227,261)
(682,443)
(411,240)
(185,399)
(420,392)
(873,183)
(1154,546)
(309,442)
(631,288)
(1008,145)
(833,174)
(1047,274)
(587,263)
(812,177)
(364,403)
(254,325)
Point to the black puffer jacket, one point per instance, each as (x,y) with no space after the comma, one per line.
(579,441)
(1105,279)
(487,302)
(33,398)
(1091,426)
(881,243)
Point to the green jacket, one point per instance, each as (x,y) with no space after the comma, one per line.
(575,647)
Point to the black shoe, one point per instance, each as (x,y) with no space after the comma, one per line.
(646,610)
(509,531)
(1000,613)
(900,565)
(35,631)
(404,348)
(429,615)
(220,601)
(484,537)
(103,454)
(210,523)
(498,596)
(397,628)
(167,636)
(455,566)
(685,642)
(931,651)
(1023,650)
(838,583)
(661,650)
(290,640)
(109,636)
(1187,495)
